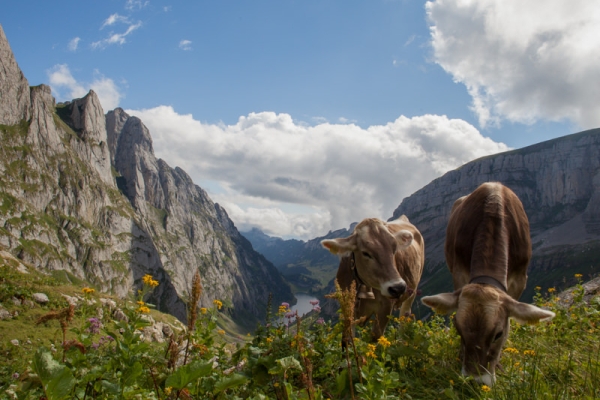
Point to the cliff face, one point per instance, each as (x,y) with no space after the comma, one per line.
(82,192)
(558,182)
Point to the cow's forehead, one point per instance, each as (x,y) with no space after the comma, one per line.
(373,232)
(479,308)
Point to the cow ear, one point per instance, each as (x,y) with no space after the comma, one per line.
(525,313)
(404,238)
(342,247)
(443,303)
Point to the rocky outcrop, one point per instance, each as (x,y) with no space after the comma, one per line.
(83,192)
(14,101)
(558,182)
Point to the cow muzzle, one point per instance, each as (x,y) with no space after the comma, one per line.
(393,289)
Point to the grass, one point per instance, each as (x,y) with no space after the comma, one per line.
(414,360)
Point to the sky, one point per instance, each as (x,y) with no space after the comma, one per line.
(300,117)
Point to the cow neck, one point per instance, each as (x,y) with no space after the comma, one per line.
(489,280)
(355,271)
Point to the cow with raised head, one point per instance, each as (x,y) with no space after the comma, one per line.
(487,250)
(385,259)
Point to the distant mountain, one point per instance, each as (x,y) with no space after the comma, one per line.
(306,265)
(558,182)
(82,192)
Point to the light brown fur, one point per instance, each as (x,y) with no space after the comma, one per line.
(487,235)
(388,255)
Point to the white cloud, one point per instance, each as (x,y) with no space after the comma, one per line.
(522,60)
(116,38)
(66,87)
(185,45)
(135,4)
(73,43)
(291,179)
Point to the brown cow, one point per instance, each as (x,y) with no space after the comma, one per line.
(386,257)
(488,249)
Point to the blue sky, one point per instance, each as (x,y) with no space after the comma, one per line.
(304,116)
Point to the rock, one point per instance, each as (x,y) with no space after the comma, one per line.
(15,342)
(167,330)
(71,299)
(16,302)
(40,298)
(119,315)
(108,303)
(4,314)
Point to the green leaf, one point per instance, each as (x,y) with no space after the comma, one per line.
(342,381)
(229,382)
(187,374)
(57,380)
(130,376)
(289,362)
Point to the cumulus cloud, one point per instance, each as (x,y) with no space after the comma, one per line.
(291,179)
(74,43)
(185,45)
(66,87)
(522,61)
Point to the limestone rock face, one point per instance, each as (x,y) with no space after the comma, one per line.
(83,192)
(558,182)
(14,102)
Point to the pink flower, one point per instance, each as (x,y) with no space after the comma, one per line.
(314,302)
(286,305)
(320,321)
(317,308)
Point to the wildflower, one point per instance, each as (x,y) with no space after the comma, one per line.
(383,342)
(451,382)
(203,310)
(218,303)
(94,327)
(282,309)
(286,305)
(88,290)
(269,340)
(485,388)
(317,308)
(168,390)
(15,375)
(529,352)
(320,321)
(517,364)
(141,303)
(143,310)
(551,290)
(578,276)
(538,288)
(314,302)
(291,314)
(276,384)
(511,350)
(221,332)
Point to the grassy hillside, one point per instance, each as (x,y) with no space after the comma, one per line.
(104,358)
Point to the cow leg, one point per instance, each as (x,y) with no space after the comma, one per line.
(405,308)
(381,319)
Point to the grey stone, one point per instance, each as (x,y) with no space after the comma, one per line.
(40,298)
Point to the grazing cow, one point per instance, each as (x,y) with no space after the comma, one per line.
(488,249)
(386,260)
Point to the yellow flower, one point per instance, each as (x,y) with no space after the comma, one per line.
(143,310)
(383,342)
(451,382)
(269,340)
(551,290)
(517,364)
(218,303)
(147,279)
(511,350)
(283,309)
(141,303)
(485,388)
(153,283)
(371,354)
(578,276)
(529,352)
(538,288)
(221,332)
(87,290)
(203,310)
(168,390)
(276,384)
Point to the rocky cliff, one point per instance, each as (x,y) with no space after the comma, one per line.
(558,182)
(82,193)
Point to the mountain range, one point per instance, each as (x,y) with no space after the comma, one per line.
(83,196)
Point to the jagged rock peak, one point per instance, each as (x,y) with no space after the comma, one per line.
(15,100)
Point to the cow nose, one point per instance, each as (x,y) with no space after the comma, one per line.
(397,290)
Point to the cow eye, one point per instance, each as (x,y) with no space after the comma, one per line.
(498,336)
(367,255)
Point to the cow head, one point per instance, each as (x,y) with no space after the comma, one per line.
(374,247)
(482,321)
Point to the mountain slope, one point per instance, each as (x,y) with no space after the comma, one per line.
(83,192)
